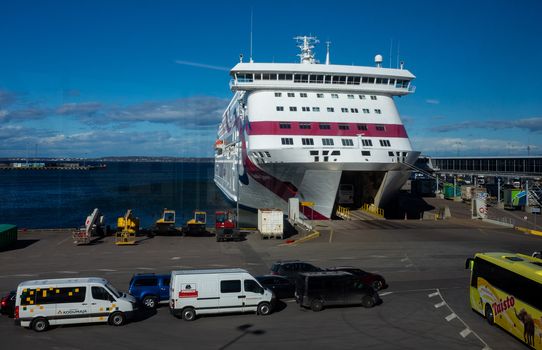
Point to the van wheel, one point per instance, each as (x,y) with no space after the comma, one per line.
(40,324)
(117,319)
(368,301)
(149,302)
(489,315)
(377,285)
(317,305)
(189,314)
(264,309)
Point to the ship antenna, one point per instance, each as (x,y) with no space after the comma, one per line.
(251,30)
(327,51)
(391,50)
(306,46)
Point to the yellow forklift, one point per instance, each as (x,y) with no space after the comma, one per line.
(196,225)
(166,223)
(127,228)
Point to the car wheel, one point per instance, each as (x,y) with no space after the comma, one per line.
(368,301)
(189,314)
(149,302)
(317,305)
(264,309)
(489,314)
(40,324)
(377,285)
(117,319)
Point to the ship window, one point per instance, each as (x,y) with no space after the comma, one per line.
(373,97)
(313,153)
(385,143)
(320,95)
(268,76)
(285,126)
(380,127)
(379,80)
(325,126)
(378,111)
(371,80)
(303,94)
(347,142)
(365,153)
(301,78)
(390,154)
(304,125)
(365,79)
(334,96)
(368,143)
(366,110)
(325,153)
(316,79)
(351,97)
(335,153)
(326,158)
(316,159)
(353,81)
(344,127)
(278,94)
(392,81)
(244,78)
(306,109)
(330,109)
(339,79)
(257,76)
(327,142)
(291,94)
(268,154)
(280,108)
(327,79)
(293,109)
(316,109)
(307,142)
(287,140)
(362,127)
(344,110)
(385,81)
(285,77)
(361,97)
(354,110)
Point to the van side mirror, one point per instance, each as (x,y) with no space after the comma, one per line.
(469,263)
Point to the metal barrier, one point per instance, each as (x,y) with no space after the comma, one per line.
(343,213)
(373,209)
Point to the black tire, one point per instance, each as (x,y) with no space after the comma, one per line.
(189,314)
(149,302)
(40,324)
(264,309)
(368,301)
(117,319)
(377,285)
(489,315)
(317,305)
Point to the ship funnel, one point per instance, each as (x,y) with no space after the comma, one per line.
(378,61)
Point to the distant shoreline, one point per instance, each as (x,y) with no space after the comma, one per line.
(133,159)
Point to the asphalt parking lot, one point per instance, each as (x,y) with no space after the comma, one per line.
(425,306)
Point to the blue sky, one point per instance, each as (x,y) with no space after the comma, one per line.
(101,78)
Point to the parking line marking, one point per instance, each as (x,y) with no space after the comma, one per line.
(450,317)
(385,293)
(404,259)
(144,268)
(409,265)
(440,304)
(107,270)
(176,258)
(465,332)
(67,272)
(433,295)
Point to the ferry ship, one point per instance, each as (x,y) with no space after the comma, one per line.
(327,134)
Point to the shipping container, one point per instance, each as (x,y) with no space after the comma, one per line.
(449,191)
(8,235)
(271,223)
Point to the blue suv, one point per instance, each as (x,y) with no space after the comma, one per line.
(149,289)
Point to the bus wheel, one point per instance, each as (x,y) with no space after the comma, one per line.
(40,324)
(489,315)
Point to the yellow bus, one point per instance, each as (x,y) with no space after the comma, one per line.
(507,289)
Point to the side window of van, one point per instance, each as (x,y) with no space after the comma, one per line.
(100,293)
(43,296)
(233,286)
(252,286)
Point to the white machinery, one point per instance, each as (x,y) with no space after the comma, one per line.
(94,228)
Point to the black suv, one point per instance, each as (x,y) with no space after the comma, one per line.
(292,268)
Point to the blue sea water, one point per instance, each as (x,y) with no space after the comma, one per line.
(64,198)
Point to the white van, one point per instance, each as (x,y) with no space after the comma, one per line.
(194,292)
(43,303)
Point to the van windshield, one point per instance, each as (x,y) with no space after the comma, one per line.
(113,290)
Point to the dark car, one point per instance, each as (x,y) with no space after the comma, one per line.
(279,285)
(318,290)
(292,268)
(7,304)
(149,289)
(374,280)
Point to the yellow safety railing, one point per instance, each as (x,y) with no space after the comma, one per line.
(343,213)
(373,209)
